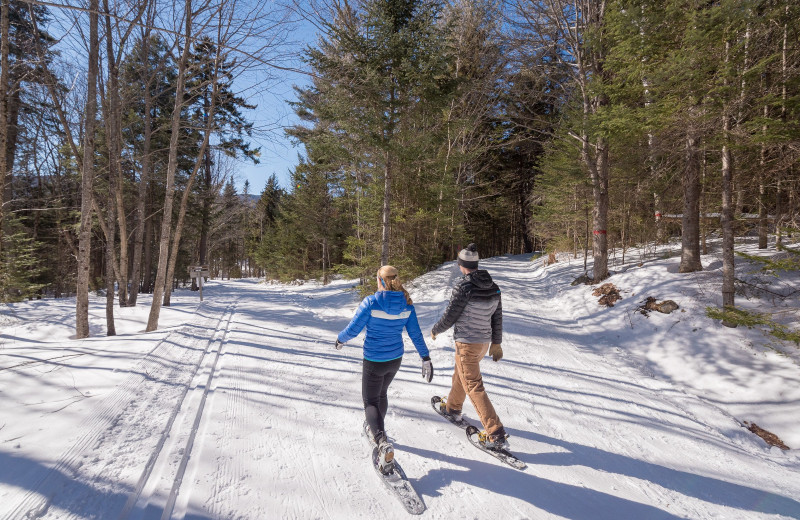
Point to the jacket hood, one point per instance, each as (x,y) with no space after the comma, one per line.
(480,279)
(391,302)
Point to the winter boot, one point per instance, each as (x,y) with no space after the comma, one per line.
(496,442)
(385,455)
(454,415)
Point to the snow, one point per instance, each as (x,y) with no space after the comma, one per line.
(240,407)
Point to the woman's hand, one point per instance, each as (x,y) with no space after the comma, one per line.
(427,369)
(339,344)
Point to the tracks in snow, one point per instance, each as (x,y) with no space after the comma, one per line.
(166,467)
(96,472)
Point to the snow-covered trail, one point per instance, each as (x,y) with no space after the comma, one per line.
(265,422)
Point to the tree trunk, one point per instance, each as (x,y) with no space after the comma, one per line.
(144,177)
(659,221)
(12,137)
(386,209)
(690,222)
(173,258)
(4,88)
(147,248)
(600,213)
(144,180)
(87,175)
(111,329)
(763,221)
(728,289)
(202,158)
(784,114)
(172,166)
(208,199)
(113,125)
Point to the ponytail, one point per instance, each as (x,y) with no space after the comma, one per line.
(391,278)
(397,286)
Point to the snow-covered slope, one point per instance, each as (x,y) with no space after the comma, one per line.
(247,410)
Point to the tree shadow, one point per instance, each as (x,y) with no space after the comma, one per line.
(706,488)
(564,500)
(48,488)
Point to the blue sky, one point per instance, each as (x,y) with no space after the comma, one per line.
(268,88)
(273,115)
(278,154)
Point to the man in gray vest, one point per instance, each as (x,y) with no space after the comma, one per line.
(476,311)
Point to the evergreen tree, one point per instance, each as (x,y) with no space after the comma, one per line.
(231,129)
(374,130)
(21,267)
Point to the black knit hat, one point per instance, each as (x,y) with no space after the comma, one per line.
(468,257)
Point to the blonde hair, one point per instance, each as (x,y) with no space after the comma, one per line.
(391,278)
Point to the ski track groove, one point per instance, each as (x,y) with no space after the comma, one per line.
(230,482)
(227,472)
(230,476)
(188,448)
(113,428)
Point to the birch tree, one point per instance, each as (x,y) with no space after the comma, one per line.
(575,34)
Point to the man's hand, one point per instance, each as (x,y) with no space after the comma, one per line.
(496,351)
(433,336)
(339,344)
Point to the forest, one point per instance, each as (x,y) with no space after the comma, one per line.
(553,126)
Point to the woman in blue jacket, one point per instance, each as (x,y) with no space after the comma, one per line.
(385,314)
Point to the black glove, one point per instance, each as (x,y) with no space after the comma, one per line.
(338,344)
(427,369)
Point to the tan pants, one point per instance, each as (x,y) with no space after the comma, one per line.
(467,381)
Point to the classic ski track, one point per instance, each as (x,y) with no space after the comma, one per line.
(228,481)
(116,421)
(198,415)
(236,419)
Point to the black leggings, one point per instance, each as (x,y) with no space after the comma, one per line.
(375,380)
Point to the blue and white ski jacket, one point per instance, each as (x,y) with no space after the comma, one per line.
(385,314)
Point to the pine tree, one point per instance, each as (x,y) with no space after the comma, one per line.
(20,264)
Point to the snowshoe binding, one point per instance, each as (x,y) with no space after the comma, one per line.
(497,447)
(440,406)
(385,456)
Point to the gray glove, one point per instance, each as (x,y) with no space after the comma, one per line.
(427,369)
(338,344)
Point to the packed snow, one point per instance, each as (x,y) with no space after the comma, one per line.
(240,408)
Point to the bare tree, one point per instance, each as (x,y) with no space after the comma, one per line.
(172,166)
(146,158)
(728,289)
(87,178)
(113,124)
